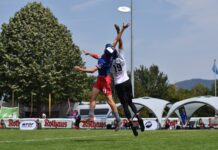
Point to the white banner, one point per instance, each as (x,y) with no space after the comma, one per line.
(12,123)
(28,125)
(151,125)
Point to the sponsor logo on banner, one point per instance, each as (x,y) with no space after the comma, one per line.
(27,125)
(150,125)
(55,124)
(93,124)
(13,123)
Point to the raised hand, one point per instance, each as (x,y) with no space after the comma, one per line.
(85,52)
(77,68)
(125,25)
(117,28)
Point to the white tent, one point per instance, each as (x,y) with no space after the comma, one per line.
(155,105)
(193,104)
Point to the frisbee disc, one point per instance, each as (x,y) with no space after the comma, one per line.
(124,9)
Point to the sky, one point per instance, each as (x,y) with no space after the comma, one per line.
(179,36)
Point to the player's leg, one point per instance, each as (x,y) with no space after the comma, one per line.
(120,89)
(129,98)
(137,115)
(92,102)
(128,116)
(106,89)
(115,112)
(121,94)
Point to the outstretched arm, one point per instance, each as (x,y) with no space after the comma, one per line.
(118,37)
(80,69)
(93,55)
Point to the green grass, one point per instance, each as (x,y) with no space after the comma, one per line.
(67,139)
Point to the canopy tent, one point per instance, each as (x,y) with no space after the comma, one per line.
(193,104)
(155,105)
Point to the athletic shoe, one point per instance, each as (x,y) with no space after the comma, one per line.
(141,124)
(91,118)
(118,125)
(76,127)
(134,129)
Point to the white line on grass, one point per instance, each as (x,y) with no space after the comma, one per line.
(53,139)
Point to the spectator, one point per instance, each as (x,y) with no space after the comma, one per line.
(43,115)
(125,124)
(2,124)
(190,124)
(77,118)
(178,125)
(200,124)
(74,113)
(167,124)
(38,124)
(183,117)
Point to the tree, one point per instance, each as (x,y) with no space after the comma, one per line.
(183,94)
(1,67)
(151,81)
(199,90)
(171,94)
(38,56)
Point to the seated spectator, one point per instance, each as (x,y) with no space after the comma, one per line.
(200,124)
(126,124)
(2,124)
(38,124)
(167,124)
(190,124)
(178,125)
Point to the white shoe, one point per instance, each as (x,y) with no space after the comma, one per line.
(118,125)
(91,118)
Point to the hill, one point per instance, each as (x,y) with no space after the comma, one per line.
(189,84)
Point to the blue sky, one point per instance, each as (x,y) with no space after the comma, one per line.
(179,36)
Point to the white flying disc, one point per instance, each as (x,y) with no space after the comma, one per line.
(124,9)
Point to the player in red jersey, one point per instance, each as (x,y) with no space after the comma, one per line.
(103,83)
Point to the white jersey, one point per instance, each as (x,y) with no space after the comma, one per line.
(119,69)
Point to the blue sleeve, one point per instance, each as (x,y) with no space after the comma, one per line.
(101,62)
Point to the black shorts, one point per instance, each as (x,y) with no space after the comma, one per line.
(124,91)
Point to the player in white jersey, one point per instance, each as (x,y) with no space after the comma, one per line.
(123,84)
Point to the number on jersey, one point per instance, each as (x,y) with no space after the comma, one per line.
(117,67)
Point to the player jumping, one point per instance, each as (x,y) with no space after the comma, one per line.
(122,83)
(103,83)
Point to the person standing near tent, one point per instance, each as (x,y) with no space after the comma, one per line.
(183,117)
(122,83)
(103,83)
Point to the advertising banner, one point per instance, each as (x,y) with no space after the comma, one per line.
(28,125)
(151,125)
(57,123)
(9,112)
(12,123)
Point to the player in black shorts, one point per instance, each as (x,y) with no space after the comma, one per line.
(123,84)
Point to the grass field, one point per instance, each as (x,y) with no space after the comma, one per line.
(64,139)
